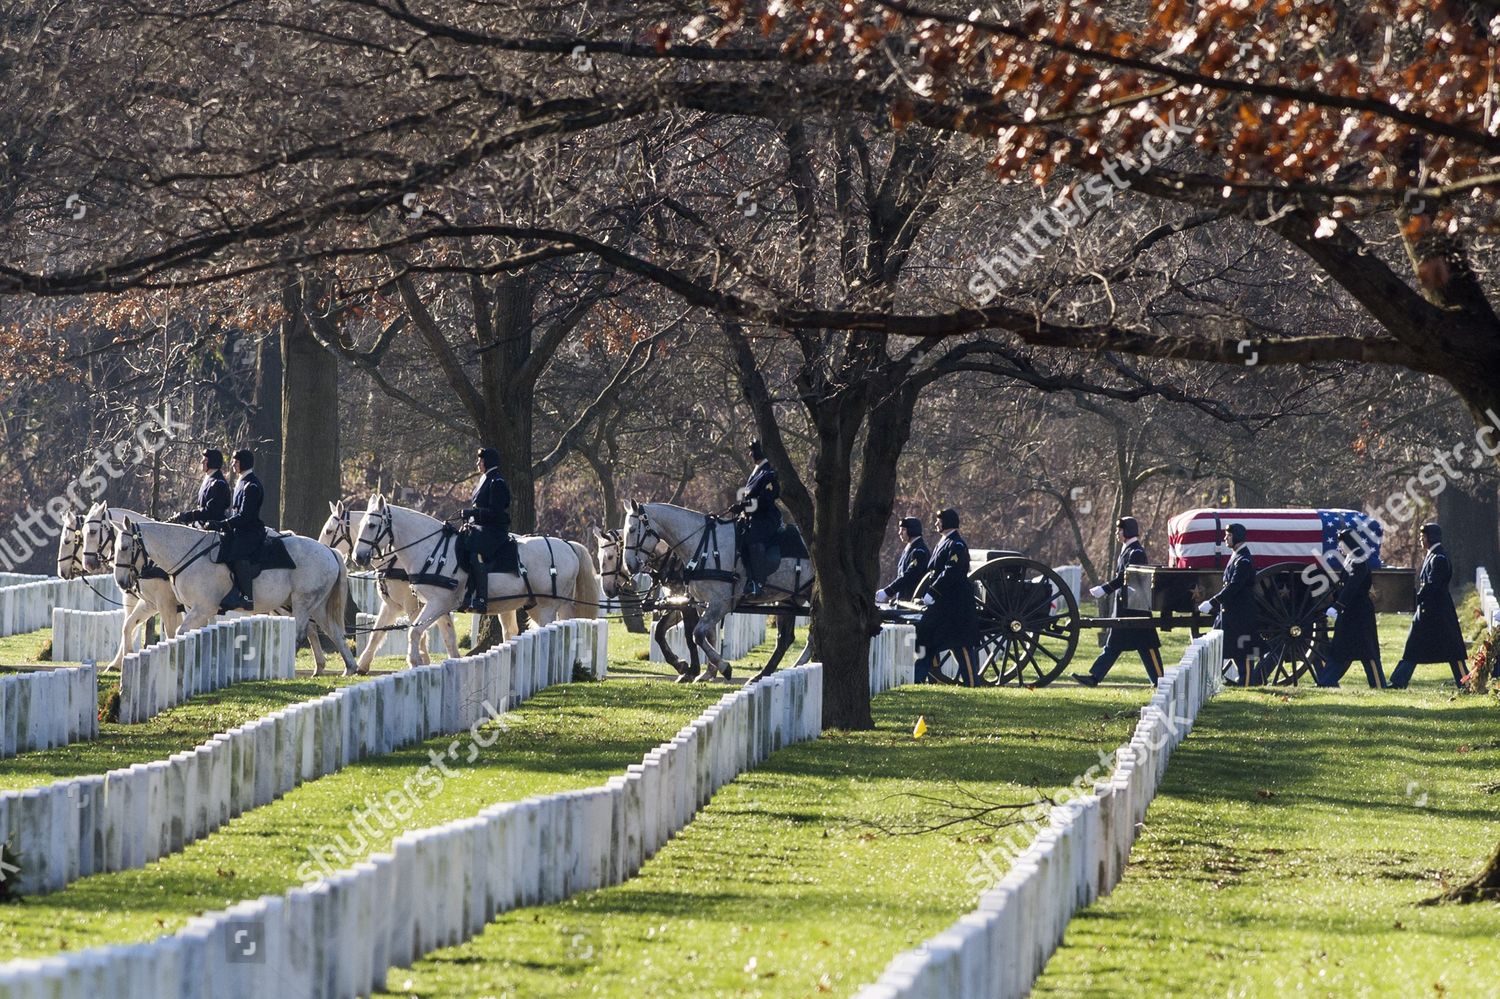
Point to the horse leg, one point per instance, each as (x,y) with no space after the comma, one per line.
(138,615)
(660,632)
(431,611)
(509,625)
(449,633)
(387,616)
(320,661)
(786,632)
(411,605)
(323,621)
(703,635)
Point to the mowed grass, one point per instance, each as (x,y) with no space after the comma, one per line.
(571,736)
(783,885)
(1285,854)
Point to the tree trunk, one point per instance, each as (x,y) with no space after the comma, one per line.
(310,425)
(1482,887)
(265,420)
(1471,523)
(509,398)
(843,610)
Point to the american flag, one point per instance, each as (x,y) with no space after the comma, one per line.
(1195,538)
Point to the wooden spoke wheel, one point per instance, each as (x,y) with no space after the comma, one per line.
(1028,622)
(1290,606)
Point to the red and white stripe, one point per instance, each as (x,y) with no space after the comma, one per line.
(1195,539)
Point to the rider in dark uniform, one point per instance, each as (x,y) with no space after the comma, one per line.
(487,529)
(244,533)
(213,492)
(1237,616)
(1353,619)
(911,566)
(949,622)
(1435,636)
(762,518)
(1142,640)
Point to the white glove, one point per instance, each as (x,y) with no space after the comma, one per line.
(928,600)
(880,596)
(1206,607)
(1333,613)
(1096,592)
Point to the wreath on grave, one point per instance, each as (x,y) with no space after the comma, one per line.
(1482,660)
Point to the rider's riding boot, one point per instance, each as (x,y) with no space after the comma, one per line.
(479,591)
(752,570)
(239,596)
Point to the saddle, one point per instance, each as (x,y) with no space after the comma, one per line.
(501,554)
(271,555)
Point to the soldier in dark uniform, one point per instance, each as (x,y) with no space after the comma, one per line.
(1353,618)
(911,566)
(949,622)
(1236,603)
(213,492)
(243,531)
(761,516)
(1142,640)
(1435,636)
(486,530)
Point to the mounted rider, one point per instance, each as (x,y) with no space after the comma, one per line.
(760,519)
(243,533)
(213,492)
(486,530)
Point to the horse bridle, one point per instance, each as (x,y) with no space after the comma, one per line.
(343,533)
(106,530)
(387,531)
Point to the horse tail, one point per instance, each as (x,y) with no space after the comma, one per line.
(588,593)
(334,603)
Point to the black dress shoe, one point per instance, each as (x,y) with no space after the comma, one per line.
(1086,679)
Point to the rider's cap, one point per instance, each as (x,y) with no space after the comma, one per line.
(489,457)
(1236,532)
(947,519)
(213,457)
(245,457)
(1129,526)
(912,526)
(1432,532)
(756,451)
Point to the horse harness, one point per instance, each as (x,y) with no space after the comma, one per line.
(447,536)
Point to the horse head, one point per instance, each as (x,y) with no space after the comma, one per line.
(374,528)
(96,534)
(130,555)
(69,544)
(336,533)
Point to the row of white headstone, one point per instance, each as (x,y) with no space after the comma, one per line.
(230,650)
(27,606)
(338,936)
(84,635)
(1489,607)
(43,709)
(893,657)
(129,817)
(738,634)
(1000,948)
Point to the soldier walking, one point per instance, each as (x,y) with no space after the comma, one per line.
(911,566)
(1237,617)
(1435,636)
(949,622)
(1142,640)
(1355,635)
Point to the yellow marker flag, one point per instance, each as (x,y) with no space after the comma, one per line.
(921,727)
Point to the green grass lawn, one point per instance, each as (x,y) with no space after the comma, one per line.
(781,886)
(1291,839)
(570,736)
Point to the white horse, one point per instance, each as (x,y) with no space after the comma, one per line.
(559,580)
(83,547)
(397,598)
(663,571)
(315,590)
(714,577)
